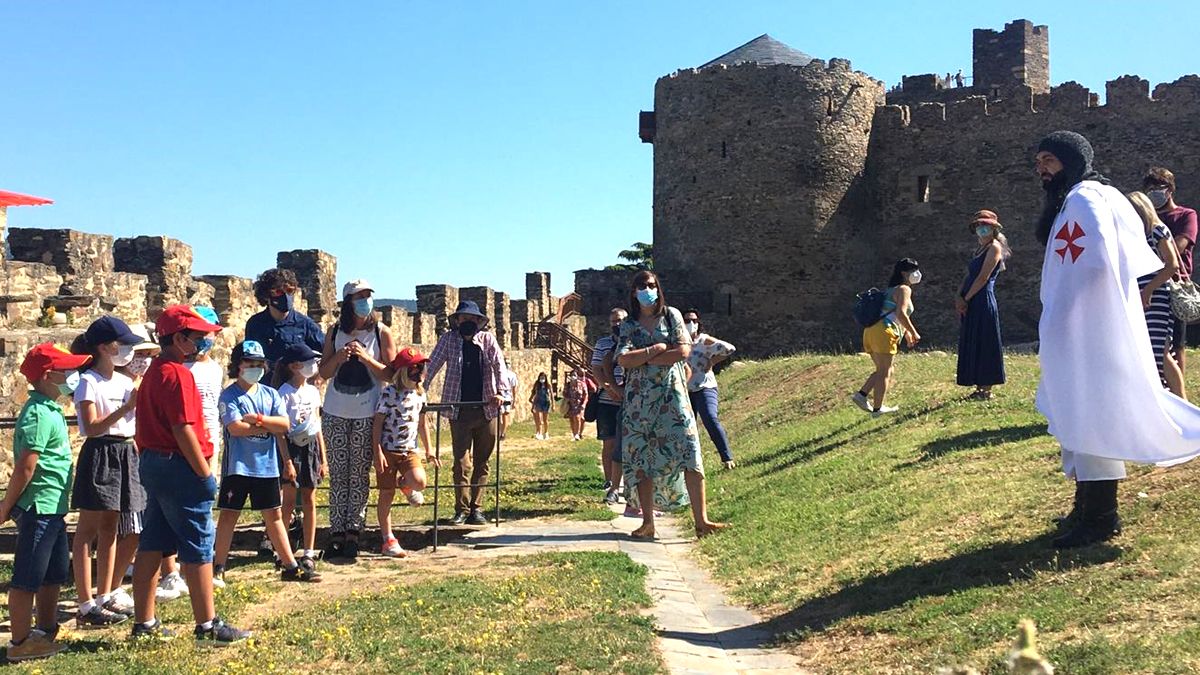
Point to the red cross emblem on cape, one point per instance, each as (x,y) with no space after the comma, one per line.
(1069,234)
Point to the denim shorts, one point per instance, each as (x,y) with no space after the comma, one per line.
(179,506)
(42,557)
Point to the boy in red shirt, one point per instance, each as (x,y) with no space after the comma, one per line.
(180,488)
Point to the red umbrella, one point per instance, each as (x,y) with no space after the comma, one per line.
(14,199)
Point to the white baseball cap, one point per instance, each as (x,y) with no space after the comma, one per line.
(355,286)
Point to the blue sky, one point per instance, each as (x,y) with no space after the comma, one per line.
(462,143)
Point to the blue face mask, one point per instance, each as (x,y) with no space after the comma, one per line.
(647,296)
(203,345)
(67,388)
(363,307)
(983,231)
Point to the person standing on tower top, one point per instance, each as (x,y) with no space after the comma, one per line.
(1159,186)
(1100,389)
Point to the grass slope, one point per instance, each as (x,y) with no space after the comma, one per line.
(919,539)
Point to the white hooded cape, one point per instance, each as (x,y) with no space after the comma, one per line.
(1100,388)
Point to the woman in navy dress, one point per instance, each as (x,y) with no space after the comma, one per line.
(980,351)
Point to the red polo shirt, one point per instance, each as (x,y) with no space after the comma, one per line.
(167,398)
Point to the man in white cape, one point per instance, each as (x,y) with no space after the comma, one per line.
(1100,388)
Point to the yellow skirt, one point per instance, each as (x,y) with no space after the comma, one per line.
(882,338)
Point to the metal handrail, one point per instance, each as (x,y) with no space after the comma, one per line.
(566,345)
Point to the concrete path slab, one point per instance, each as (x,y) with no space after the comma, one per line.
(699,630)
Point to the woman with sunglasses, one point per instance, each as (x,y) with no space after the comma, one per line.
(659,441)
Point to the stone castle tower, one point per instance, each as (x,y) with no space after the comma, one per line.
(755,153)
(783,186)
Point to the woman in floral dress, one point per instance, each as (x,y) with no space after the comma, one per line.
(659,440)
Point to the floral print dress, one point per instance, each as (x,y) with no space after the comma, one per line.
(658,431)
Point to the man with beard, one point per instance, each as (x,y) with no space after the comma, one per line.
(1099,389)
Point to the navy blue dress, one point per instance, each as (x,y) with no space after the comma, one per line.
(980,351)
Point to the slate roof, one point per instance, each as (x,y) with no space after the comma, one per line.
(763,50)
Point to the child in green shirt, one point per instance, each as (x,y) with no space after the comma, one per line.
(37,500)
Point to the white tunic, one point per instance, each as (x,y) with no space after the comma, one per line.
(1100,389)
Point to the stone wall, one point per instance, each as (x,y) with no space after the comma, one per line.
(439,300)
(975,154)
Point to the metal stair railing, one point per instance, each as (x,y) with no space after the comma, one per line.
(567,346)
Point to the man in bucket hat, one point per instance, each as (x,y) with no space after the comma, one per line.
(474,368)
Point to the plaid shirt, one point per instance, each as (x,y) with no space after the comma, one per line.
(448,352)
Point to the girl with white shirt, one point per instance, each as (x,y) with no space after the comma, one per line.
(106,477)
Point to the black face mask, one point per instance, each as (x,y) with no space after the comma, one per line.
(616,329)
(468,329)
(282,302)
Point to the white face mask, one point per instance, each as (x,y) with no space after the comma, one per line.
(915,278)
(308,369)
(139,365)
(253,375)
(692,327)
(124,356)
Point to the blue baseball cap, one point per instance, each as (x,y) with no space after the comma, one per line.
(251,349)
(107,329)
(298,353)
(208,313)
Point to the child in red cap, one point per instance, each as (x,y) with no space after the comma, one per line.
(176,472)
(37,499)
(399,420)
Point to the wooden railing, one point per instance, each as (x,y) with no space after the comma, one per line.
(568,347)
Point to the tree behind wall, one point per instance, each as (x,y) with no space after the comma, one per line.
(640,256)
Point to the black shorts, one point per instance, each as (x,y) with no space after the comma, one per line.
(307,461)
(263,493)
(107,476)
(1179,335)
(608,420)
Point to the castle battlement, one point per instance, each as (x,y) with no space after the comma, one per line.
(1127,94)
(815,66)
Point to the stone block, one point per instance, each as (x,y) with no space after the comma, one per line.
(167,264)
(438,300)
(316,272)
(84,260)
(537,290)
(25,286)
(516,335)
(425,329)
(484,297)
(502,318)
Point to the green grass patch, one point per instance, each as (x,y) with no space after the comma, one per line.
(549,613)
(922,537)
(569,612)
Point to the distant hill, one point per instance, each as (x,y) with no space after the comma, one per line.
(408,305)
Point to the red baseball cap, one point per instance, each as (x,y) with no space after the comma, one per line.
(409,356)
(48,356)
(182,317)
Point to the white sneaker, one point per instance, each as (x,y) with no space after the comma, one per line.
(121,598)
(163,595)
(883,410)
(861,401)
(416,498)
(173,583)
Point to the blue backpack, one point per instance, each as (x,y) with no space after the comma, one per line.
(868,306)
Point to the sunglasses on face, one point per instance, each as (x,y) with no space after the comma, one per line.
(286,290)
(646,284)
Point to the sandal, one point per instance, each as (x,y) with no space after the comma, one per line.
(644,533)
(711,528)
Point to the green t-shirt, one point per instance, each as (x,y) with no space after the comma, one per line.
(42,428)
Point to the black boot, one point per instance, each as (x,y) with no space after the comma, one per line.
(1068,522)
(1099,521)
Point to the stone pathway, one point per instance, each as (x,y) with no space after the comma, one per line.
(699,631)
